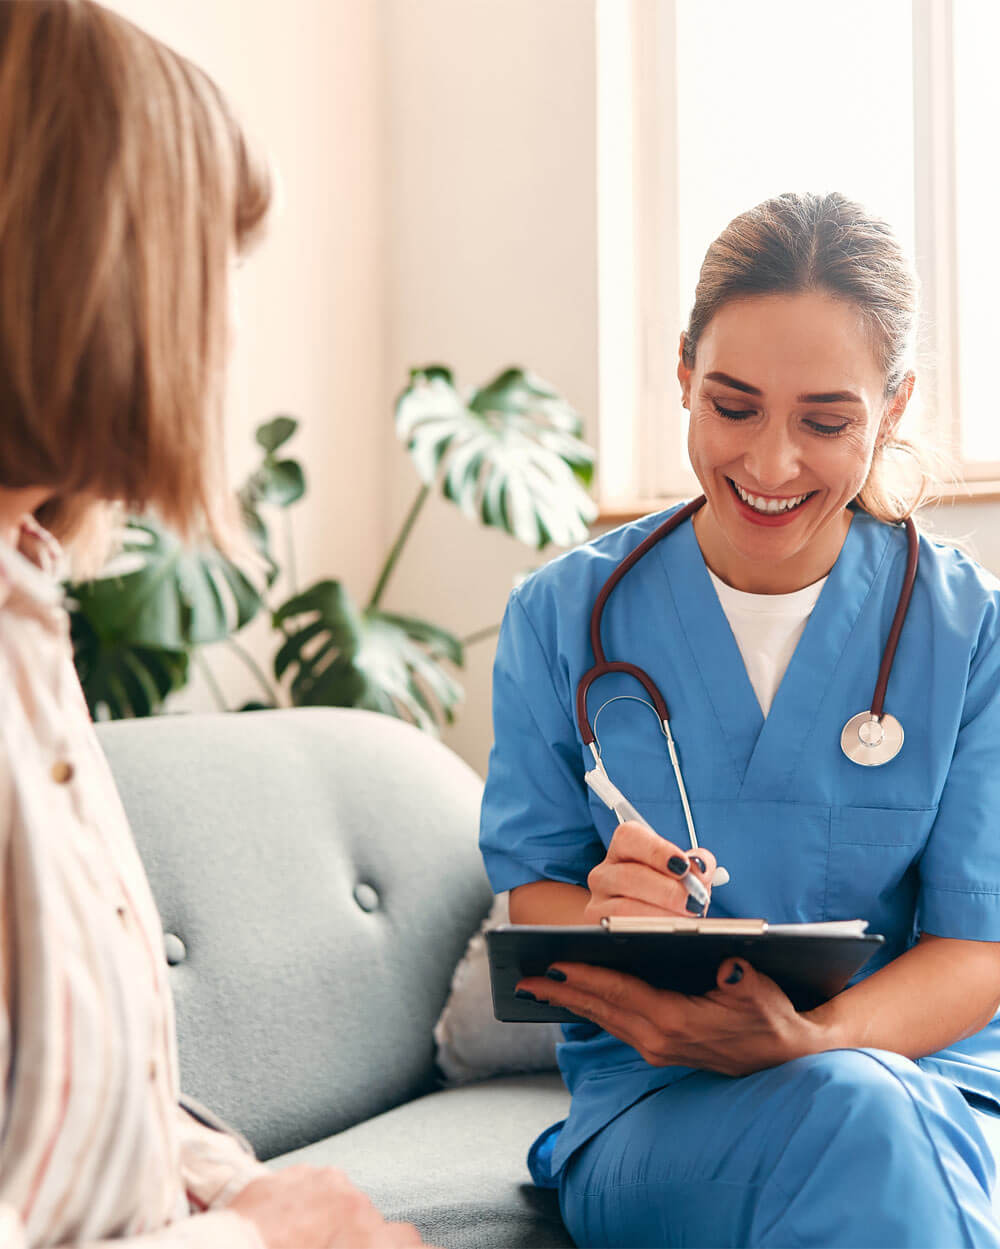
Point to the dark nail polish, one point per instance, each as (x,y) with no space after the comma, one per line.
(525,994)
(677,865)
(555,974)
(735,976)
(694,906)
(700,864)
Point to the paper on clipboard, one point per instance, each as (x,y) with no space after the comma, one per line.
(830,928)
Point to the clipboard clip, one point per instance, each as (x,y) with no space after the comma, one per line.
(682,923)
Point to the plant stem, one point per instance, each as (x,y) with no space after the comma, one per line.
(397,547)
(481,635)
(210,680)
(256,669)
(293,579)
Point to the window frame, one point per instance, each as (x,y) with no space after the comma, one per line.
(639,262)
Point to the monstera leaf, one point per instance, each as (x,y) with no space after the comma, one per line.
(121,680)
(343,657)
(160,593)
(274,481)
(509,454)
(133,626)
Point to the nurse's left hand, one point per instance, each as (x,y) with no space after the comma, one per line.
(743,1025)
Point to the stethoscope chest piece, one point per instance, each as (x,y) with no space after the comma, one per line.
(871,740)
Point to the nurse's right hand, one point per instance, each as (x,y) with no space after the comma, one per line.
(642,874)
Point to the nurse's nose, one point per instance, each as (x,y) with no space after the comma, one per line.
(772,457)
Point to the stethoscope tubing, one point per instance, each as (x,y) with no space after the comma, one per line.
(603,667)
(902,607)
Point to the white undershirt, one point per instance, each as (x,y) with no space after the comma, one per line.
(767,628)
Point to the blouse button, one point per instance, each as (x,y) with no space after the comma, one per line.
(62,771)
(152,1068)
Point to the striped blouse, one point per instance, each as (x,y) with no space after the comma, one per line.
(93,1144)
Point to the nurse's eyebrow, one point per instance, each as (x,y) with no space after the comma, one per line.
(829,396)
(733,382)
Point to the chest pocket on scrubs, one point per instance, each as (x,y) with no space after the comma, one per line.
(873,855)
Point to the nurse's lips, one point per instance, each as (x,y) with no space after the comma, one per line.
(769,519)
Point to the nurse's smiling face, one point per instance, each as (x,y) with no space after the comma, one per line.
(787,402)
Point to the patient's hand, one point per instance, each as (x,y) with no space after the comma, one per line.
(317,1208)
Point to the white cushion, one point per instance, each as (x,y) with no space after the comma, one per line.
(471,1043)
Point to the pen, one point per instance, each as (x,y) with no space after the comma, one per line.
(612,797)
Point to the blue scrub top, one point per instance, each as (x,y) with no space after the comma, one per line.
(807,835)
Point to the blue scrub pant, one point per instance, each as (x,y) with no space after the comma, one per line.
(845,1148)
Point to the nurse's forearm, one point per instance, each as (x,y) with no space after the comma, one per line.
(548,902)
(933,995)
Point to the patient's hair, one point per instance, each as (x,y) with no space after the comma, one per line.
(828,243)
(127,190)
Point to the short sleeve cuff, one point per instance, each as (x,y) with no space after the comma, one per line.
(963,914)
(506,872)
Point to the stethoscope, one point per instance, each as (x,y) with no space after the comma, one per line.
(870,738)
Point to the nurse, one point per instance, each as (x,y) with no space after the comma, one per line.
(732,1119)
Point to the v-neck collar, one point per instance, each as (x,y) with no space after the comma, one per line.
(766,752)
(717,657)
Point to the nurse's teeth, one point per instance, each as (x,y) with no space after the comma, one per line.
(768,505)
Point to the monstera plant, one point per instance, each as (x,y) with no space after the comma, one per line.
(508,454)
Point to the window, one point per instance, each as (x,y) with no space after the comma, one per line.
(709,106)
(976,36)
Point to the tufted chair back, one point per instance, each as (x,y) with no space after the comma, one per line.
(318,876)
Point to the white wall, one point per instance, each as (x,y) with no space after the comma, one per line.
(491,260)
(304,76)
(438,168)
(975,525)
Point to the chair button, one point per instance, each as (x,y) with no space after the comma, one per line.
(62,771)
(174,949)
(366,896)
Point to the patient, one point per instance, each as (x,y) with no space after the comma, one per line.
(126,191)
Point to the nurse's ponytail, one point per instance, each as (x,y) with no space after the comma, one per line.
(808,242)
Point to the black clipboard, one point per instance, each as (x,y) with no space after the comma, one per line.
(810,967)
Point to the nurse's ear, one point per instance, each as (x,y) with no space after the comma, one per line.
(683,374)
(894,410)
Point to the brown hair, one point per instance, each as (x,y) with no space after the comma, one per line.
(126,189)
(828,243)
